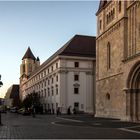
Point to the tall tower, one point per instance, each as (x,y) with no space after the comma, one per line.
(29,64)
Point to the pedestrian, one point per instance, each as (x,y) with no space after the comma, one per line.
(69,111)
(58,111)
(74,110)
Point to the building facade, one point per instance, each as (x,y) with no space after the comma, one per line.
(118,60)
(65,79)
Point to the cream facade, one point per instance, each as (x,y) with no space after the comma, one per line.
(118,60)
(63,81)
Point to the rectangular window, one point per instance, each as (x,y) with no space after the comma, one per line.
(76,77)
(76,90)
(56,90)
(52,91)
(57,78)
(76,64)
(48,92)
(52,68)
(76,104)
(48,81)
(56,65)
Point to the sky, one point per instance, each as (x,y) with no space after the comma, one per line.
(45,26)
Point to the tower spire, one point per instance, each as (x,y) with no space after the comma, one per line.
(29,54)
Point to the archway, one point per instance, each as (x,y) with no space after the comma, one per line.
(133,93)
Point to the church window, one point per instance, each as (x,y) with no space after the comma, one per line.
(139,29)
(120,6)
(107,19)
(30,67)
(23,68)
(100,24)
(113,13)
(108,56)
(108,96)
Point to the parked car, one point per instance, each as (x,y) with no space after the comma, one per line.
(13,109)
(24,111)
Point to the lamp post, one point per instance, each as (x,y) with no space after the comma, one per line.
(0,110)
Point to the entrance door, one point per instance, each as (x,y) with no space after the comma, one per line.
(133,93)
(76,106)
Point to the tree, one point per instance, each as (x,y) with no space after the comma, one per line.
(31,100)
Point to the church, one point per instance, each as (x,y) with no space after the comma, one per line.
(65,79)
(118,60)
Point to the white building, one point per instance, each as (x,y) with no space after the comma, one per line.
(66,79)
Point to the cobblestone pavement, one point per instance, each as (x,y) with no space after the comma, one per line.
(16,126)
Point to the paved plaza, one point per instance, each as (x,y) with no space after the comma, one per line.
(65,127)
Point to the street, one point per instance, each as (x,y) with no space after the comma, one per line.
(65,127)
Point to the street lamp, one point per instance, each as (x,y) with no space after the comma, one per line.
(0,110)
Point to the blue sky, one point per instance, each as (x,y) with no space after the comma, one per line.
(45,26)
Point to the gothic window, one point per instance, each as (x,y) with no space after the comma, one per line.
(108,96)
(120,6)
(113,13)
(107,19)
(108,56)
(100,24)
(30,67)
(23,68)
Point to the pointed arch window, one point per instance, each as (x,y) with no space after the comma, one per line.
(108,55)
(120,6)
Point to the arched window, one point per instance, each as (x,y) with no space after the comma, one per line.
(107,19)
(23,68)
(107,96)
(113,13)
(120,6)
(108,56)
